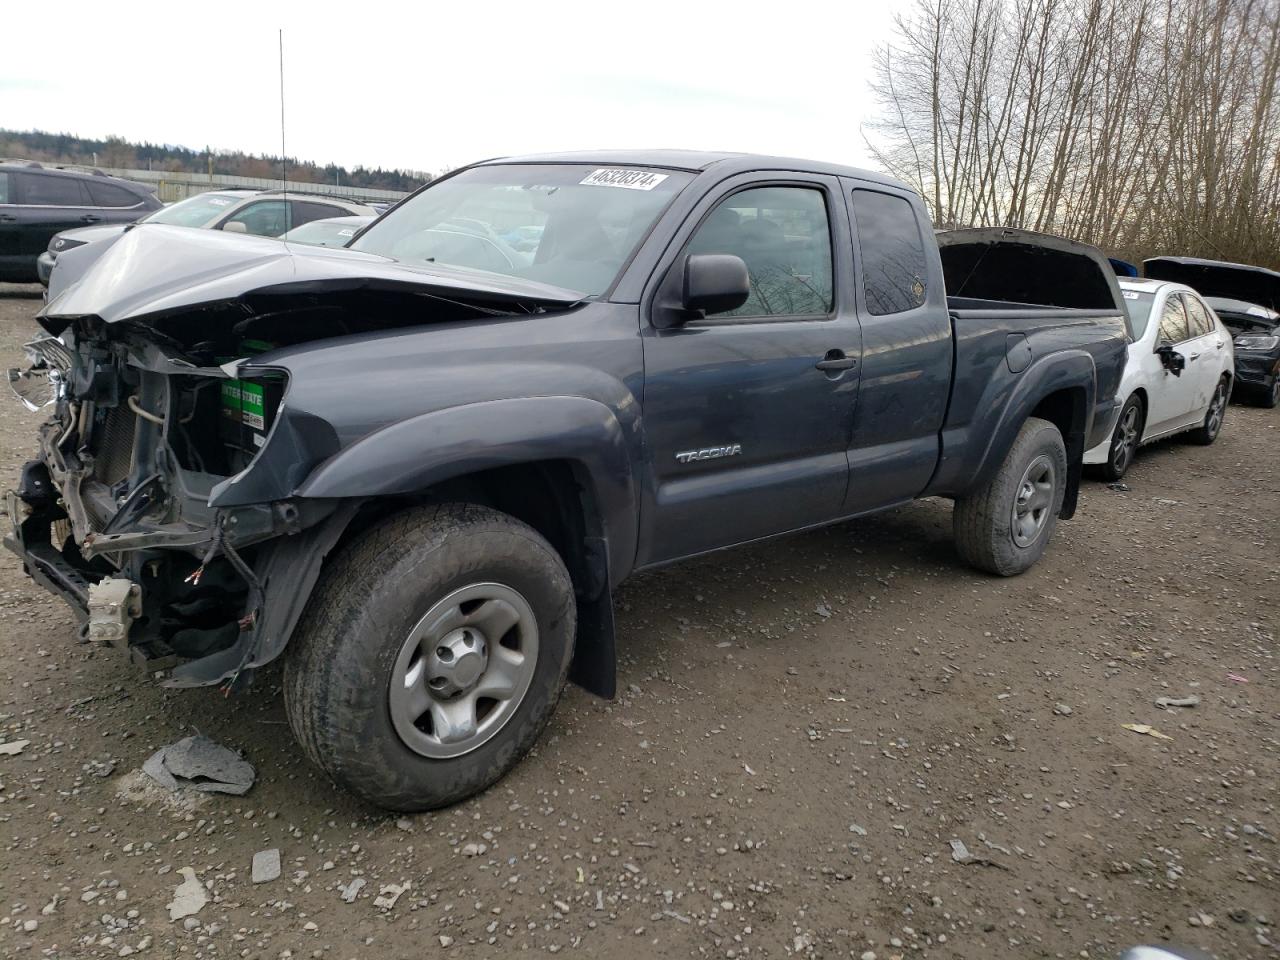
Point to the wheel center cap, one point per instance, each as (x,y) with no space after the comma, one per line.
(468,669)
(460,661)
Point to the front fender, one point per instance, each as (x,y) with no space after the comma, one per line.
(426,450)
(972,452)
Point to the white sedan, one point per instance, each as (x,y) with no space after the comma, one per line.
(1178,375)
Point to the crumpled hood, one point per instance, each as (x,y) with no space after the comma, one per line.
(157,269)
(1215,278)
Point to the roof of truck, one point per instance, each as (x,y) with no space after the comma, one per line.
(696,161)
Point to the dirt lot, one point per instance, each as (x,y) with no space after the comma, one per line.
(806,728)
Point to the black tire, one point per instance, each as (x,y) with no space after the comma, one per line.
(1211,426)
(984,522)
(370,599)
(1125,440)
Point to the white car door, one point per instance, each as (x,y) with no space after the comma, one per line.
(1172,398)
(1205,349)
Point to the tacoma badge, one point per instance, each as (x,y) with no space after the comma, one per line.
(709,453)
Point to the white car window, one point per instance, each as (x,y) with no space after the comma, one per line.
(1201,322)
(1173,321)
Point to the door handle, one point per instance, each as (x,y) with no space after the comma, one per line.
(1194,356)
(835,360)
(1219,345)
(8,218)
(90,218)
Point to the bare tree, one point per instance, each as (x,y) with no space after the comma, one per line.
(1144,126)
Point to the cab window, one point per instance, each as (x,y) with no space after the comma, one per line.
(784,237)
(1173,321)
(893,262)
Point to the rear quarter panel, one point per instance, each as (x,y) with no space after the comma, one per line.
(1007,360)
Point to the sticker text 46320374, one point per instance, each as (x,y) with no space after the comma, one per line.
(626,179)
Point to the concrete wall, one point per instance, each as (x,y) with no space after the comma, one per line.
(178,186)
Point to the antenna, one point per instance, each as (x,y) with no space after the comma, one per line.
(284,157)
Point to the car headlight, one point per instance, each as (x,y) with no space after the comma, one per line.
(1257,342)
(60,244)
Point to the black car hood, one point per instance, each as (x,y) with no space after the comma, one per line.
(1216,278)
(157,270)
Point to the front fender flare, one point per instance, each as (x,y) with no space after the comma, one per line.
(418,453)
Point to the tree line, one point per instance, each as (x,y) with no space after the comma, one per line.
(117,152)
(1142,126)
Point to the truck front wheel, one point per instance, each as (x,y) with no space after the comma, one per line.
(431,655)
(1004,527)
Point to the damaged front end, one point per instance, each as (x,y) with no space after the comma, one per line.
(114,515)
(163,504)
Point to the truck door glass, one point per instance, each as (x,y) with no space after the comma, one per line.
(1173,321)
(894,270)
(4,188)
(783,236)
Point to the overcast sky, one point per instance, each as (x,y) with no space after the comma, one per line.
(432,86)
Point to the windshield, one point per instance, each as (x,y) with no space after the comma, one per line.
(194,211)
(327,233)
(1138,304)
(568,225)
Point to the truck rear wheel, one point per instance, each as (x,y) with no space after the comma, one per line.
(431,655)
(1004,527)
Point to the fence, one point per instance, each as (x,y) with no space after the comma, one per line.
(179,186)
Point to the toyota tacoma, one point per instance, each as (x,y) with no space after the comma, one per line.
(417,467)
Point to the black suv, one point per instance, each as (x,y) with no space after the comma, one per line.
(36,202)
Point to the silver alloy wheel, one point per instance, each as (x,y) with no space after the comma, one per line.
(1213,423)
(1125,441)
(1033,501)
(463,670)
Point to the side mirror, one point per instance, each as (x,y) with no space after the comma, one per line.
(1173,361)
(714,283)
(235,226)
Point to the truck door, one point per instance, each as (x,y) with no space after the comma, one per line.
(907,351)
(747,414)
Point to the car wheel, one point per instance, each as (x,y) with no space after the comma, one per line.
(1004,527)
(431,655)
(1208,431)
(1125,440)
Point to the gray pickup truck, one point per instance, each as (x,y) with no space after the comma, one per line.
(418,466)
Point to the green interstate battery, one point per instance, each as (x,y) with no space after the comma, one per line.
(249,406)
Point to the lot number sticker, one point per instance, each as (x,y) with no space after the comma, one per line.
(626,179)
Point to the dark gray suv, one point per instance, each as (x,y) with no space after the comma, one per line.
(37,201)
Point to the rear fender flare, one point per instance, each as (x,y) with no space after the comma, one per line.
(1001,419)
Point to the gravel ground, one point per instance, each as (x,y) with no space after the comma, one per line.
(806,729)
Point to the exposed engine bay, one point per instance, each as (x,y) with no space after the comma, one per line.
(115,512)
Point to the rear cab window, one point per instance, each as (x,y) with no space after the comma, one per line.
(894,268)
(4,188)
